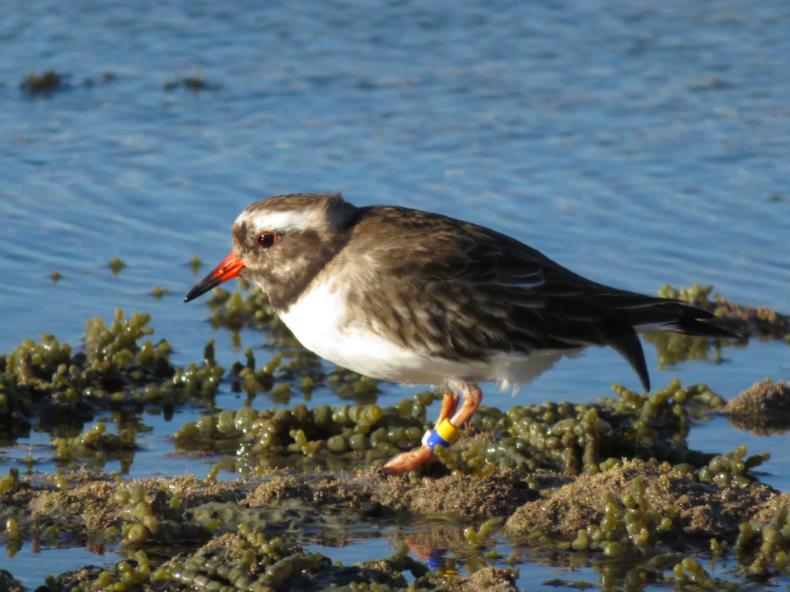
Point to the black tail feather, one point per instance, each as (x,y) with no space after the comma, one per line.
(659,314)
(702,328)
(672,315)
(630,348)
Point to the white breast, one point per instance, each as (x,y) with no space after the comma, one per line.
(320,321)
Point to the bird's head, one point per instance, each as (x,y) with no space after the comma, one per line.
(280,243)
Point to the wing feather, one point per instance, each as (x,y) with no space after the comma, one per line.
(460,291)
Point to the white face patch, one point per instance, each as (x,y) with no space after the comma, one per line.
(281,222)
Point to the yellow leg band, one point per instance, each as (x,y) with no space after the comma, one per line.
(448,431)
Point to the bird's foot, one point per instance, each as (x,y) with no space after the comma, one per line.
(408,461)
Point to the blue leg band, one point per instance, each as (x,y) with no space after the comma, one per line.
(431,439)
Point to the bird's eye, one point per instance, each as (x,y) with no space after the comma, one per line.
(266,239)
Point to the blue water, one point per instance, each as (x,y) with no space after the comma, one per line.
(636,144)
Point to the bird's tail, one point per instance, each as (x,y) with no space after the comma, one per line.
(651,313)
(677,317)
(642,314)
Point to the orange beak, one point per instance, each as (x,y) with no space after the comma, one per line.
(227,270)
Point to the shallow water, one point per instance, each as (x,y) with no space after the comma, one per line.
(31,567)
(635,144)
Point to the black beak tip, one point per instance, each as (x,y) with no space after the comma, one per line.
(193,293)
(206,284)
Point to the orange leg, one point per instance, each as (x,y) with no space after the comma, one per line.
(408,461)
(449,405)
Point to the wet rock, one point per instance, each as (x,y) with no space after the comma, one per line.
(763,408)
(453,495)
(489,579)
(371,510)
(83,508)
(703,510)
(9,583)
(74,578)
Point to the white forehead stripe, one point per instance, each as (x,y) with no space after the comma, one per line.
(280,221)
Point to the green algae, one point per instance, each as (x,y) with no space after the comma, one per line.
(94,447)
(537,466)
(250,559)
(156,522)
(10,482)
(194,83)
(587,438)
(49,381)
(313,433)
(43,84)
(749,321)
(235,311)
(195,264)
(573,438)
(695,508)
(640,520)
(116,265)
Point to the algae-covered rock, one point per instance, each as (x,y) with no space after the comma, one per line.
(491,579)
(762,398)
(764,408)
(749,321)
(83,508)
(48,382)
(253,561)
(321,434)
(756,320)
(701,510)
(450,496)
(608,485)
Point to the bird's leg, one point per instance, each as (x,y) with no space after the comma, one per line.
(449,405)
(473,396)
(414,458)
(408,461)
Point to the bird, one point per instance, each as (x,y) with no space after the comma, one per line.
(415,297)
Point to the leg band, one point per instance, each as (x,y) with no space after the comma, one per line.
(445,434)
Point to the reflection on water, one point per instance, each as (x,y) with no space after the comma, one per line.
(31,564)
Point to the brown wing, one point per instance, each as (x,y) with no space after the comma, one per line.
(457,290)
